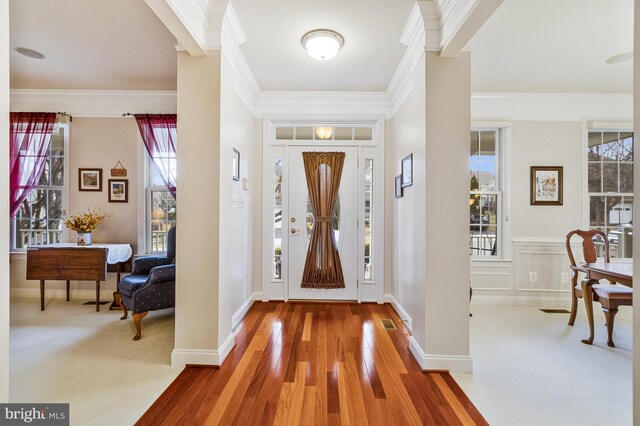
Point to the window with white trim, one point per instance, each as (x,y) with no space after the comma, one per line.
(40,219)
(610,188)
(485,195)
(161,210)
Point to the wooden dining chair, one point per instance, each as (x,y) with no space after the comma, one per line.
(611,296)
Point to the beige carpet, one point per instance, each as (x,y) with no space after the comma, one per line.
(530,368)
(70,353)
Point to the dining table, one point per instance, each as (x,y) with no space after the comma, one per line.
(615,272)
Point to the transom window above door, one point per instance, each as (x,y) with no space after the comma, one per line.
(323,133)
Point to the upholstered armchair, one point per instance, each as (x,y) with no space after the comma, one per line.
(150,286)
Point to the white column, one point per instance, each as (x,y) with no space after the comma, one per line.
(197,336)
(446,292)
(4,204)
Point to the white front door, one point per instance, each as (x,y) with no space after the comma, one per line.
(301,222)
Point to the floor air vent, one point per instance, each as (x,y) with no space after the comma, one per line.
(388,324)
(555,311)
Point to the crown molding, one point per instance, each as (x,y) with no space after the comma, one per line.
(244,82)
(94,103)
(187,21)
(216,22)
(595,109)
(414,37)
(324,103)
(552,106)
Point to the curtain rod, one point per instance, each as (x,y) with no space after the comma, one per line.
(66,115)
(127,114)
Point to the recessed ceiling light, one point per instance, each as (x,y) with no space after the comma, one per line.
(622,57)
(29,52)
(322,44)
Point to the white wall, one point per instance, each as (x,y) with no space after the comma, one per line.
(549,143)
(408,133)
(4,204)
(238,234)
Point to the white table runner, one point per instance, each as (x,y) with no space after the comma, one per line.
(117,252)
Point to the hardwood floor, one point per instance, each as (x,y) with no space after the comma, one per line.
(315,363)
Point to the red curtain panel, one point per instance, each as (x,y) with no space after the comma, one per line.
(158,133)
(29,141)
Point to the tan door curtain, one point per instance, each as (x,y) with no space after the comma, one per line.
(322,268)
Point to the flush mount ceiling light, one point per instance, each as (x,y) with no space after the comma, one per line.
(324,133)
(322,44)
(29,52)
(622,57)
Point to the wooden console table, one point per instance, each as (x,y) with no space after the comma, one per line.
(67,261)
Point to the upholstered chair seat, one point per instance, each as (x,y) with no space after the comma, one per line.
(150,286)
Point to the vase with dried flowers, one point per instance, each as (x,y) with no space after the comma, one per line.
(84,224)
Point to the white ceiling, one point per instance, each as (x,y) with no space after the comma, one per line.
(90,44)
(554,46)
(371,52)
(526,46)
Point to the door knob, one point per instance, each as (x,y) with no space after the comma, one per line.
(295,230)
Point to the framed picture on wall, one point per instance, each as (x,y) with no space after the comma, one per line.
(236,164)
(407,170)
(89,179)
(399,186)
(546,186)
(118,190)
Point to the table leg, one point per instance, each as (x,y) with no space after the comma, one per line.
(587,295)
(68,288)
(97,296)
(116,294)
(42,295)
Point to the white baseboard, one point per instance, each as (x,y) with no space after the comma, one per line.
(240,313)
(183,357)
(404,316)
(451,363)
(61,293)
(532,300)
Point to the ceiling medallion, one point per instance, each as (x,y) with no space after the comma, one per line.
(322,45)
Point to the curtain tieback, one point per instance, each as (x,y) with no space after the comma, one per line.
(322,219)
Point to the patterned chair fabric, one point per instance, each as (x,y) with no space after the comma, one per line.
(151,284)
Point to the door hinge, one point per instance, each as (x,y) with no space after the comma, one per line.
(358,223)
(358,163)
(357,283)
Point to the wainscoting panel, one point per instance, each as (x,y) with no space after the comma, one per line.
(509,282)
(547,266)
(491,281)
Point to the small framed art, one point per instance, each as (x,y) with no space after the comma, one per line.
(118,190)
(399,186)
(407,171)
(236,164)
(89,179)
(546,186)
